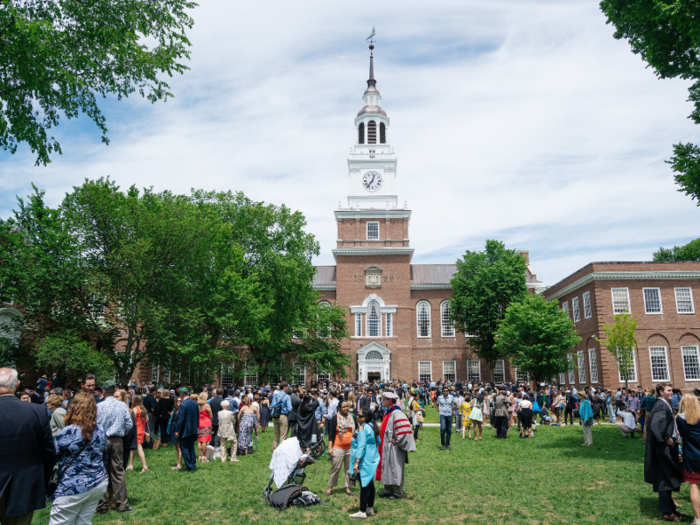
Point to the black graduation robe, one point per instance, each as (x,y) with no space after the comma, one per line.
(661,467)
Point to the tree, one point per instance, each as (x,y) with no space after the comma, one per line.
(687,252)
(58,56)
(483,287)
(621,341)
(538,335)
(666,33)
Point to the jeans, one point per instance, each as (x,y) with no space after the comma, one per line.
(458,421)
(163,426)
(366,495)
(611,412)
(187,449)
(445,430)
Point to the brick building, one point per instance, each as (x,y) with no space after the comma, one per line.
(398,312)
(660,296)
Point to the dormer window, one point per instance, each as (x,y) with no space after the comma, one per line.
(371,132)
(361,133)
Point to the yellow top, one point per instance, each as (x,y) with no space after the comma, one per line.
(465,409)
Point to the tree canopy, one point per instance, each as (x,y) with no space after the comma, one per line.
(59,56)
(482,289)
(686,252)
(537,335)
(619,338)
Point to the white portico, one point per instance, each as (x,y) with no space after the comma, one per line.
(374,362)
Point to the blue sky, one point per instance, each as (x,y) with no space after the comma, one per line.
(517,120)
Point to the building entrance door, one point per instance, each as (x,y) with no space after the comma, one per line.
(374,376)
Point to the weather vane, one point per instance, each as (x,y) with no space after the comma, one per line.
(371,37)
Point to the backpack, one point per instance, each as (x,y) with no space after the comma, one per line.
(276,407)
(284,496)
(306,499)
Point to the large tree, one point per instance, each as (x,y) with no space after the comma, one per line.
(538,336)
(686,252)
(59,56)
(482,289)
(666,34)
(619,338)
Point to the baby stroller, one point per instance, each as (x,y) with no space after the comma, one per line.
(288,466)
(545,418)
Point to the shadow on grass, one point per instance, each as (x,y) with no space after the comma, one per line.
(649,505)
(607,445)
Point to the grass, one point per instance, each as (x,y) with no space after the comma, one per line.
(548,479)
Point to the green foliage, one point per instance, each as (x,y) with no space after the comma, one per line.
(537,335)
(59,56)
(687,252)
(72,358)
(483,287)
(620,340)
(666,34)
(9,352)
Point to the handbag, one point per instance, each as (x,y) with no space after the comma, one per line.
(420,418)
(57,473)
(156,444)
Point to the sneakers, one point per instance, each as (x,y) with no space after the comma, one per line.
(359,514)
(370,512)
(443,447)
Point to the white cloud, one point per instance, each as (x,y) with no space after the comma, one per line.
(524,121)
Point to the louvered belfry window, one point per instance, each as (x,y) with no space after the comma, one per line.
(371,132)
(382,133)
(361,133)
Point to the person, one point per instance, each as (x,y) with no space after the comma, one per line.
(501,413)
(557,402)
(141,418)
(397,441)
(205,427)
(186,430)
(27,454)
(365,460)
(525,416)
(466,409)
(628,427)
(58,413)
(571,405)
(648,402)
(265,413)
(215,406)
(81,447)
(661,467)
(280,402)
(247,424)
(476,415)
(296,401)
(113,416)
(173,433)
(130,439)
(445,406)
(688,422)
(150,403)
(227,432)
(307,427)
(342,429)
(416,416)
(162,413)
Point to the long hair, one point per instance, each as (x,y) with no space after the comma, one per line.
(137,401)
(691,407)
(82,412)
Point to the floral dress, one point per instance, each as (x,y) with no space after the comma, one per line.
(245,432)
(466,409)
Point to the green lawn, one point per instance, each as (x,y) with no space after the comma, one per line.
(548,479)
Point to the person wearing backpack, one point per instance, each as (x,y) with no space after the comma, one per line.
(280,409)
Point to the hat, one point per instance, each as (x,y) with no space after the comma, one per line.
(183,390)
(568,391)
(110,384)
(696,391)
(172,391)
(389,395)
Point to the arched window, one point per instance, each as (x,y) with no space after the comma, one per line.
(374,320)
(374,355)
(371,132)
(361,133)
(448,329)
(423,318)
(382,133)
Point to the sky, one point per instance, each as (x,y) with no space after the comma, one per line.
(523,121)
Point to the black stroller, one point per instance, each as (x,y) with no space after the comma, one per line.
(292,492)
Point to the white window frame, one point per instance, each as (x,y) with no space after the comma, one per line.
(562,378)
(572,370)
(593,365)
(692,303)
(447,327)
(249,378)
(686,350)
(617,311)
(389,324)
(576,309)
(581,364)
(667,376)
(323,376)
(519,376)
(646,306)
(454,371)
(368,233)
(470,370)
(227,372)
(587,310)
(499,368)
(299,372)
(633,373)
(430,372)
(358,324)
(155,373)
(418,312)
(565,308)
(368,319)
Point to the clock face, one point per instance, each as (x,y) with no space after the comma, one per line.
(372,181)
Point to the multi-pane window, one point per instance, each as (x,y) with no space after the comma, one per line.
(299,374)
(631,376)
(374,320)
(562,378)
(5,296)
(621,300)
(449,371)
(226,375)
(521,376)
(499,372)
(251,375)
(593,364)
(565,307)
(389,324)
(572,369)
(684,301)
(372,231)
(576,310)
(659,363)
(155,373)
(423,318)
(652,301)
(323,376)
(448,328)
(587,305)
(166,376)
(425,371)
(474,370)
(358,325)
(691,363)
(581,367)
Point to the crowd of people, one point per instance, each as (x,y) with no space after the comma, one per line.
(86,440)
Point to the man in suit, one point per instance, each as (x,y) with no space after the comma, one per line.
(186,430)
(215,404)
(292,416)
(27,456)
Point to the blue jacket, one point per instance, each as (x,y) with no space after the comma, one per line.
(365,447)
(585,410)
(188,420)
(283,399)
